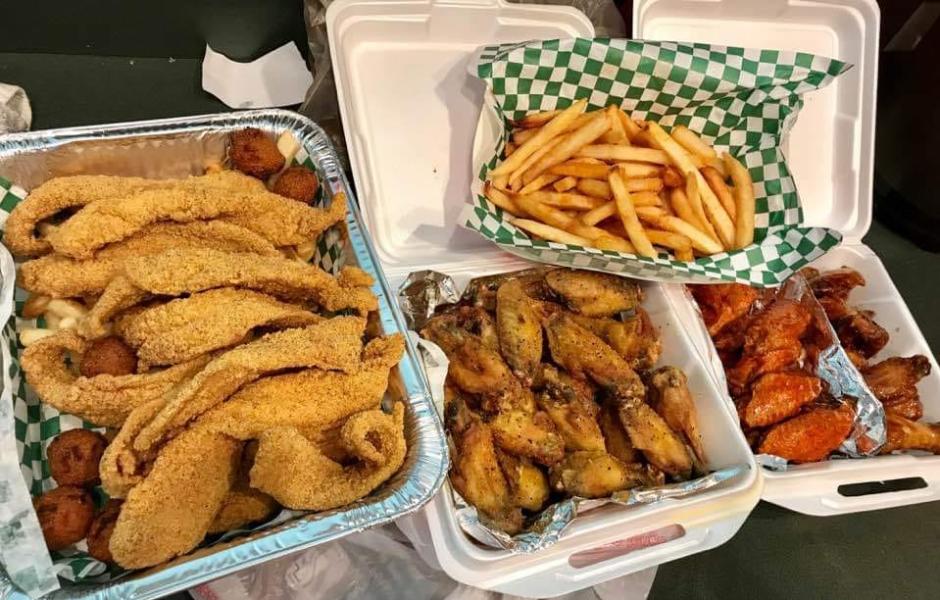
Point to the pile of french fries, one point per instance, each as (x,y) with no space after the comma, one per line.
(601,179)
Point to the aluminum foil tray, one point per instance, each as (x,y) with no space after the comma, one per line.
(184,146)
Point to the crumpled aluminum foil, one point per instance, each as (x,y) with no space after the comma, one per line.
(548,526)
(421,293)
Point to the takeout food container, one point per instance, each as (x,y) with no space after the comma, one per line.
(831,153)
(182,147)
(410,108)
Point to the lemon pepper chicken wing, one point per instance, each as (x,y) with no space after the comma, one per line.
(595,474)
(528,485)
(594,294)
(650,434)
(570,404)
(520,330)
(635,338)
(474,367)
(670,397)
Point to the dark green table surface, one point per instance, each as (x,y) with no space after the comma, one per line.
(777,554)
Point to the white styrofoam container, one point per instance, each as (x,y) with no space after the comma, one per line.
(410,111)
(831,153)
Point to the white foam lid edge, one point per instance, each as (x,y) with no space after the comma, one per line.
(410,110)
(830,149)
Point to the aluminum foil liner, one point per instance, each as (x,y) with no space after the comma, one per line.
(178,148)
(421,293)
(836,369)
(549,525)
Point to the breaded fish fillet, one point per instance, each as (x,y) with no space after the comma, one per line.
(62,193)
(182,329)
(298,475)
(281,221)
(242,505)
(308,399)
(104,400)
(178,272)
(170,511)
(63,277)
(334,344)
(121,467)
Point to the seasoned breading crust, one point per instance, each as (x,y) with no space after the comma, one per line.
(281,221)
(63,193)
(63,277)
(178,272)
(298,475)
(182,329)
(104,400)
(169,512)
(332,344)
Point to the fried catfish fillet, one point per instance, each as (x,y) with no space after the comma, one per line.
(906,434)
(594,294)
(104,400)
(308,399)
(64,193)
(570,404)
(810,437)
(121,467)
(894,382)
(294,471)
(595,474)
(670,397)
(177,272)
(520,330)
(170,511)
(63,277)
(333,344)
(779,396)
(184,328)
(281,221)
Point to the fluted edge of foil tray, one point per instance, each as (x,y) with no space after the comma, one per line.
(426,465)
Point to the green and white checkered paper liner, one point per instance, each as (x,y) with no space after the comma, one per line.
(35,424)
(738,100)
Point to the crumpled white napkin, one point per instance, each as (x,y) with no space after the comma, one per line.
(15,112)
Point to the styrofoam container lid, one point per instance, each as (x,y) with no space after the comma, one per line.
(410,111)
(830,149)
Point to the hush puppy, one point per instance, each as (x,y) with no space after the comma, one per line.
(255,153)
(74,456)
(99,534)
(65,515)
(297,183)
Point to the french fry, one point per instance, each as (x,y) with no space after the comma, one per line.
(680,205)
(672,178)
(30,336)
(686,138)
(659,218)
(66,308)
(616,134)
(685,255)
(581,170)
(630,127)
(586,161)
(537,119)
(552,129)
(565,201)
(714,211)
(624,153)
(557,218)
(521,136)
(717,183)
(632,170)
(552,234)
(669,239)
(500,199)
(647,184)
(570,144)
(627,212)
(698,209)
(539,182)
(565,183)
(501,182)
(663,197)
(743,200)
(515,179)
(595,187)
(613,242)
(508,149)
(609,209)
